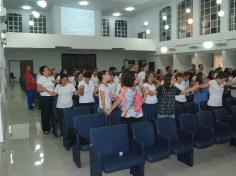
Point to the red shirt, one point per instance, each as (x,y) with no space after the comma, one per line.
(29,81)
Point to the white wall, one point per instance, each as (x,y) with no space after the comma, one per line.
(52,57)
(164,61)
(205,58)
(182,62)
(229,58)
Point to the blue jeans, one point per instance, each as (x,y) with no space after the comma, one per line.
(30,98)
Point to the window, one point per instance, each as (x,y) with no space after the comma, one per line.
(210,20)
(121,28)
(105,28)
(165,24)
(185,19)
(232,15)
(14,22)
(39,24)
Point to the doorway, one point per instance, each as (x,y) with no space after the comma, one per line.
(79,62)
(17,68)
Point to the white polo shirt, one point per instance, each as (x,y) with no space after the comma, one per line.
(108,96)
(88,92)
(150,99)
(181,98)
(47,83)
(65,94)
(216,94)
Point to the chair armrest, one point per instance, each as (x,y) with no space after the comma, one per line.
(136,147)
(164,141)
(206,132)
(185,136)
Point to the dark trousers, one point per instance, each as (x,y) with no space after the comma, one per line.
(129,122)
(46,112)
(30,98)
(59,120)
(211,108)
(91,105)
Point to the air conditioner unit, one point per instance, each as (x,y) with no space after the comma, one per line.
(172,49)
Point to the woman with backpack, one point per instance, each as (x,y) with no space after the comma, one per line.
(130,99)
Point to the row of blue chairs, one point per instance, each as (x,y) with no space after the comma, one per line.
(112,150)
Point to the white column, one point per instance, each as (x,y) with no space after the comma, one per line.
(174,20)
(56,19)
(97,21)
(196,17)
(224,22)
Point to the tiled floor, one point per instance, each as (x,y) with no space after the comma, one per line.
(29,153)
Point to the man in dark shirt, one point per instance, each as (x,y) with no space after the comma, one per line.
(29,86)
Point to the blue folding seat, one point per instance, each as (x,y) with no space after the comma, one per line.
(233,126)
(223,116)
(68,115)
(82,126)
(222,133)
(203,105)
(179,109)
(114,118)
(191,107)
(155,147)
(203,136)
(111,151)
(181,142)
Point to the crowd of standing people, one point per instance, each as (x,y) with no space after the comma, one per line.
(129,90)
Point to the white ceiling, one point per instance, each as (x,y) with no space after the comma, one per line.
(107,6)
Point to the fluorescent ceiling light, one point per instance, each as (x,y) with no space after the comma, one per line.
(26,7)
(42,3)
(83,3)
(164,49)
(129,9)
(218,1)
(188,10)
(221,13)
(208,44)
(36,14)
(146,23)
(117,14)
(190,21)
(31,23)
(148,31)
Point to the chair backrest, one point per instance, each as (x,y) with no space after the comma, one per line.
(203,105)
(206,118)
(233,111)
(114,118)
(69,113)
(222,115)
(83,124)
(191,107)
(144,133)
(188,122)
(167,127)
(110,140)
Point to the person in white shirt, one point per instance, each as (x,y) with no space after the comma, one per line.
(181,86)
(86,91)
(105,95)
(65,92)
(95,78)
(216,90)
(113,86)
(142,74)
(151,98)
(45,87)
